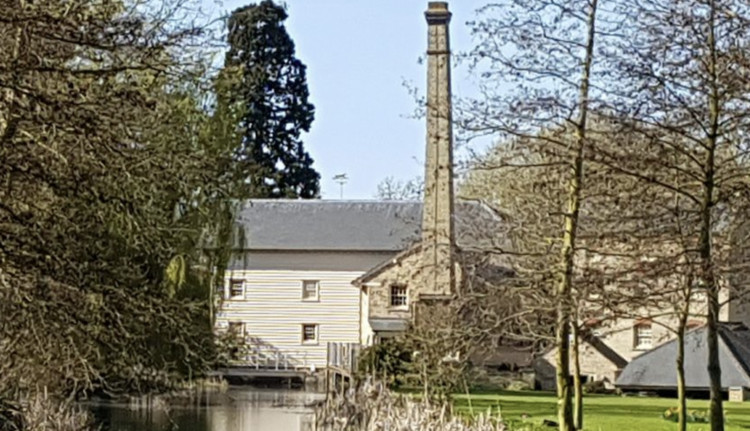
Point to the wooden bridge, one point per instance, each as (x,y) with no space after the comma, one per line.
(264,362)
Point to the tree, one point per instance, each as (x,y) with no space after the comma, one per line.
(635,257)
(547,48)
(111,186)
(391,189)
(680,71)
(273,91)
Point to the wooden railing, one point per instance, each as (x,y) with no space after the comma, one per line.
(272,359)
(343,356)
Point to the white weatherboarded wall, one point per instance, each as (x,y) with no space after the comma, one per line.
(273,312)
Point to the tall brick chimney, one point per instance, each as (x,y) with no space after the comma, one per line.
(437,217)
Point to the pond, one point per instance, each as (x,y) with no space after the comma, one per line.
(239,409)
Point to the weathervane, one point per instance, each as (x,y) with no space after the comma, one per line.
(341,179)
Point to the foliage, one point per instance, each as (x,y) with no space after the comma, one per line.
(112,185)
(388,360)
(440,349)
(272,89)
(693,416)
(595,387)
(40,412)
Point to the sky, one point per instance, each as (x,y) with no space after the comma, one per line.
(359,55)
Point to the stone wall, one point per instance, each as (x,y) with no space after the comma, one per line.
(406,271)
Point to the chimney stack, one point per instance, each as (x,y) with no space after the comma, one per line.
(438,238)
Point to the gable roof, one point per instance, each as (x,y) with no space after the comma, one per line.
(610,354)
(655,369)
(342,225)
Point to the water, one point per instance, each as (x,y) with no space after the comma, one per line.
(240,409)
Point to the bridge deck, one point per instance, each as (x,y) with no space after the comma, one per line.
(255,372)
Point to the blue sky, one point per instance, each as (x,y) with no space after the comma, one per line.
(359,53)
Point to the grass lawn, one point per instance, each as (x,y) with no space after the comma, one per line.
(601,412)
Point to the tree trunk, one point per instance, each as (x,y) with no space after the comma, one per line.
(564,288)
(8,123)
(682,418)
(708,280)
(577,384)
(564,407)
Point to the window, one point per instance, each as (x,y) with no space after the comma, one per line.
(236,289)
(309,334)
(310,290)
(642,336)
(398,296)
(237,329)
(593,326)
(698,295)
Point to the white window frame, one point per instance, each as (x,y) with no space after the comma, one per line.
(233,281)
(402,296)
(316,329)
(643,331)
(316,297)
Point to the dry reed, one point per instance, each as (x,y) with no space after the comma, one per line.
(372,407)
(40,412)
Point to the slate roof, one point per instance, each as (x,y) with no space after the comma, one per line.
(341,225)
(655,369)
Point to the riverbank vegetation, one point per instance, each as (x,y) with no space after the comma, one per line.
(373,406)
(121,160)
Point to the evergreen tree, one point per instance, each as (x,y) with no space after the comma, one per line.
(273,90)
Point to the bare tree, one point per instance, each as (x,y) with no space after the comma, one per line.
(391,189)
(680,73)
(546,48)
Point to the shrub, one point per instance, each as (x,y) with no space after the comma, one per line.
(693,416)
(595,387)
(388,359)
(519,385)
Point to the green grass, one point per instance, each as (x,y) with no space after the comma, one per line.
(601,412)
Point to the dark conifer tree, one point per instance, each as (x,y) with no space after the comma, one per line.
(273,91)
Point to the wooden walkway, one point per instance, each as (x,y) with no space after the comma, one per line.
(265,362)
(245,372)
(262,362)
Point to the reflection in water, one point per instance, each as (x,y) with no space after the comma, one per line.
(239,410)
